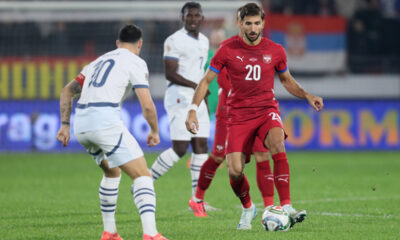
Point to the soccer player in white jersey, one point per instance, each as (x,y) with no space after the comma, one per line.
(185,54)
(103,84)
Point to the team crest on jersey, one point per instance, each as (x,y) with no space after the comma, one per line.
(267,59)
(253,59)
(220,148)
(168,48)
(147,77)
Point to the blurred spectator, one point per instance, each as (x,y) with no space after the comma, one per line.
(365,33)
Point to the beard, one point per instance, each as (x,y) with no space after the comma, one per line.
(250,39)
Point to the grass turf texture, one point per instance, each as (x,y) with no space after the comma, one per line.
(55,196)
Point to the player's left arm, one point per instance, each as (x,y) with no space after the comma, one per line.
(68,93)
(294,88)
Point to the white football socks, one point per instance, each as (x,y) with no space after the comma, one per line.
(108,193)
(163,163)
(197,161)
(145,201)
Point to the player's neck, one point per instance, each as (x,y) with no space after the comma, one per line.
(250,43)
(131,48)
(193,33)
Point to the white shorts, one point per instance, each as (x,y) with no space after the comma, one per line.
(115,144)
(177,115)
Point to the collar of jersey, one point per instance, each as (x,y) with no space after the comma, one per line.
(187,33)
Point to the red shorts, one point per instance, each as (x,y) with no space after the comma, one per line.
(221,131)
(242,135)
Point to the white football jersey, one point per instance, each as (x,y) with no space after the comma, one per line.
(191,54)
(108,79)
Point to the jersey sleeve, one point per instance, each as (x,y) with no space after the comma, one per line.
(82,76)
(281,64)
(218,61)
(171,49)
(140,76)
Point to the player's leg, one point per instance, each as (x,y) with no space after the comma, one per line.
(265,177)
(122,150)
(241,188)
(109,185)
(207,173)
(180,138)
(168,158)
(199,157)
(143,194)
(275,143)
(199,145)
(215,159)
(240,140)
(108,194)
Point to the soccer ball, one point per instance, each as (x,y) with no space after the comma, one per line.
(276,218)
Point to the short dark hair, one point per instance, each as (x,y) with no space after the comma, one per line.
(130,33)
(189,5)
(251,9)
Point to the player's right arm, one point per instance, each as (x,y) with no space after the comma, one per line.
(192,125)
(172,55)
(67,95)
(171,69)
(150,114)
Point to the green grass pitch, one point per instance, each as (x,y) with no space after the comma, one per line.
(348,195)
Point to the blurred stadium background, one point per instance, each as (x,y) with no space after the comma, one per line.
(347,51)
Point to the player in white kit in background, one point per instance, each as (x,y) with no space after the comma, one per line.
(185,54)
(103,85)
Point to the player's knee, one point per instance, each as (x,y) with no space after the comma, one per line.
(276,147)
(218,160)
(235,173)
(261,156)
(180,150)
(200,147)
(112,172)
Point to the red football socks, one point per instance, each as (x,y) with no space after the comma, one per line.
(207,173)
(281,177)
(241,188)
(265,182)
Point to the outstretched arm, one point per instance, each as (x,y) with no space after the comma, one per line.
(293,87)
(67,95)
(150,114)
(192,124)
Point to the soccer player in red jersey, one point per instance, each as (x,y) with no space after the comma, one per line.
(265,180)
(251,63)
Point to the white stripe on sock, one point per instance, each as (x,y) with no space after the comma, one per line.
(145,201)
(163,163)
(108,193)
(196,163)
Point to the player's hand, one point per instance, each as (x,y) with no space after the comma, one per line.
(192,125)
(153,139)
(64,135)
(316,102)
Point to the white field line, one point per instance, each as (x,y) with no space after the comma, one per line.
(354,215)
(260,206)
(338,200)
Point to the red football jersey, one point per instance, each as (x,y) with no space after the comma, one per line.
(224,87)
(251,71)
(222,79)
